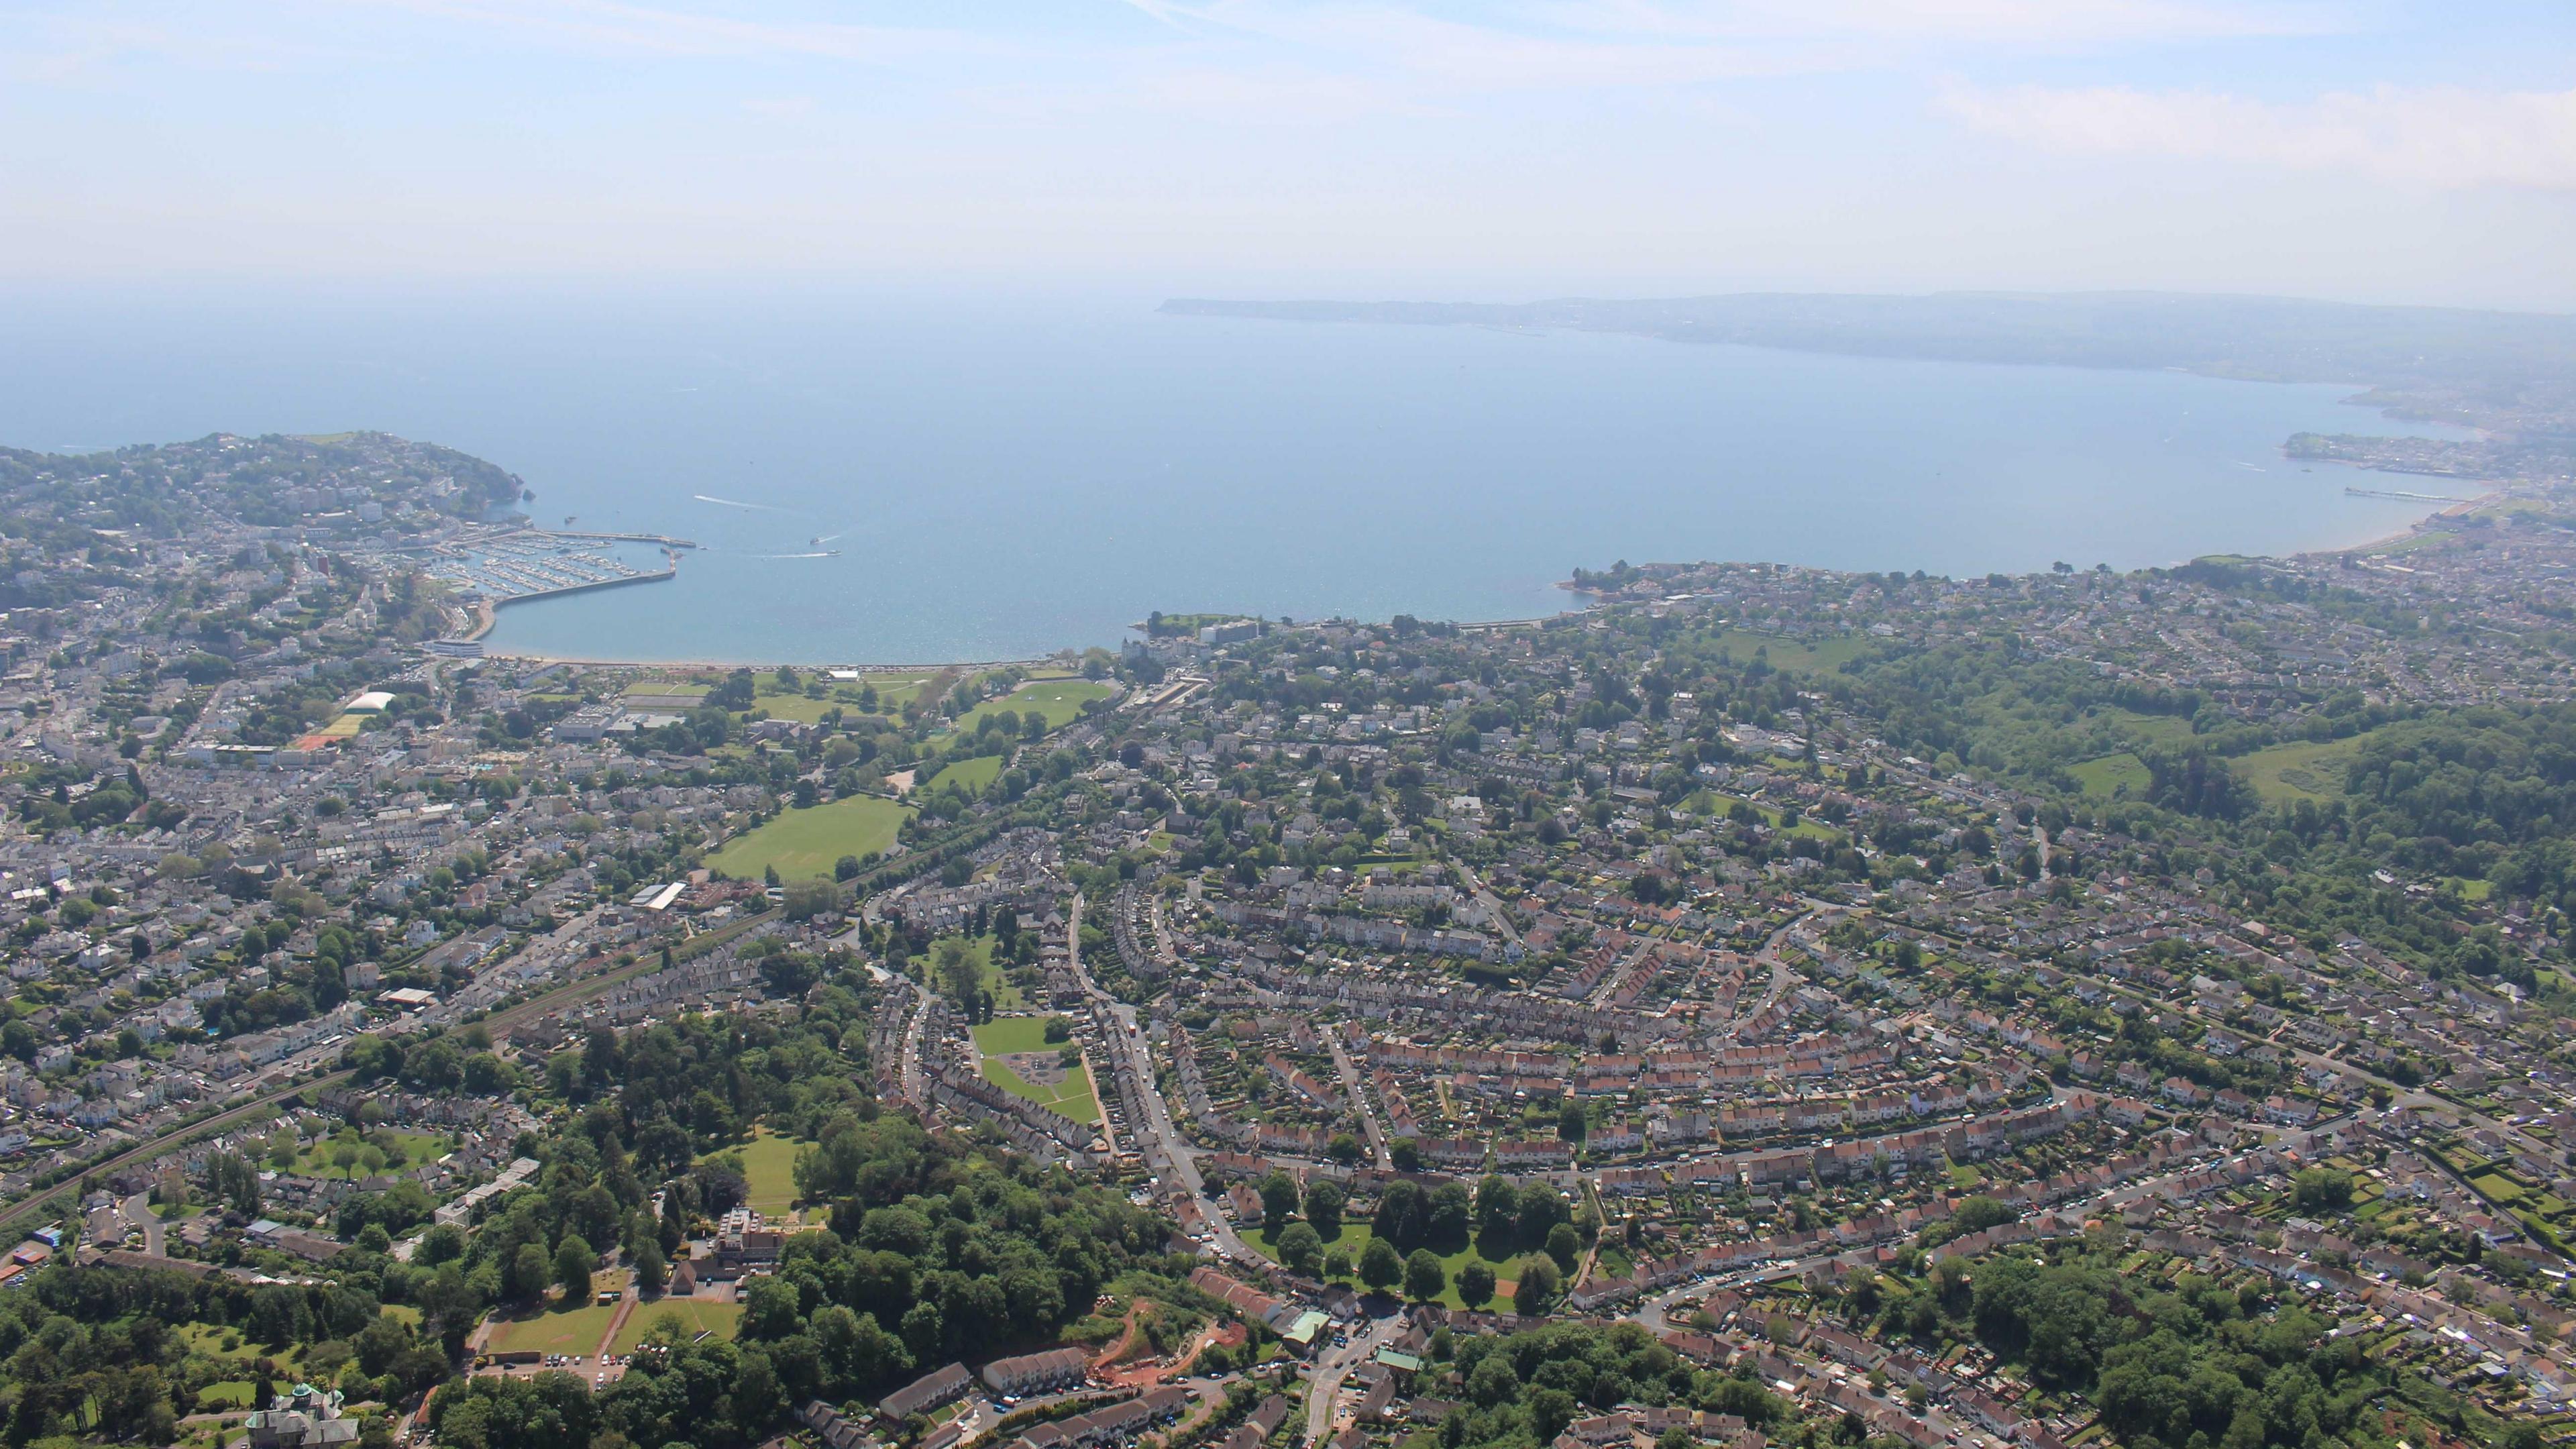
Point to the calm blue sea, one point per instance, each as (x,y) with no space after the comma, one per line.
(1009,477)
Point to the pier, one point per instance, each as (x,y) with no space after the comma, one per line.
(2401,496)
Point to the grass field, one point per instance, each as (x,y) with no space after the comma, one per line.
(417,1148)
(894,691)
(799,708)
(2105,777)
(1060,701)
(971,776)
(1804,656)
(2145,729)
(1006,997)
(769,1171)
(2301,771)
(1354,1240)
(693,1316)
(671,687)
(577,1331)
(1715,804)
(805,843)
(1028,1034)
(1014,1034)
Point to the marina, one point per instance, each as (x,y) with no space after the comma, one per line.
(491,569)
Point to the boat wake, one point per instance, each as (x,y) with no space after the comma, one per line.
(733,503)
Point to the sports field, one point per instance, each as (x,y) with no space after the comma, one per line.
(578,1331)
(1059,701)
(693,1316)
(1000,1038)
(2104,777)
(769,1171)
(968,775)
(805,843)
(997,980)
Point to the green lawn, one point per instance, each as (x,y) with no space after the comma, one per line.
(417,1147)
(2106,776)
(1014,1034)
(1715,804)
(1354,1240)
(576,1331)
(805,843)
(797,707)
(1006,997)
(1028,1034)
(1806,656)
(669,687)
(208,1339)
(1060,701)
(769,1171)
(2306,770)
(693,1316)
(972,776)
(2145,729)
(894,691)
(2498,1188)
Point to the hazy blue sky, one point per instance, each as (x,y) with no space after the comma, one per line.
(2380,149)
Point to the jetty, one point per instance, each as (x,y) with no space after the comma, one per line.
(2402,496)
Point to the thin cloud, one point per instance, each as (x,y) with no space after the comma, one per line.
(2018,24)
(2443,136)
(662,30)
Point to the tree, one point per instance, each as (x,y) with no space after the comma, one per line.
(1537,1287)
(2323,1189)
(1344,1148)
(1380,1265)
(651,1271)
(961,974)
(1565,1245)
(1278,1199)
(1979,1212)
(1423,1276)
(1541,1210)
(1571,1124)
(529,1273)
(1324,1209)
(1498,1206)
(1492,1382)
(1300,1247)
(1476,1284)
(1402,1213)
(444,1243)
(572,1268)
(807,899)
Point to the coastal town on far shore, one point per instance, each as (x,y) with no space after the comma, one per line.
(1762,1005)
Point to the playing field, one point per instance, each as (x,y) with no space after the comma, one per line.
(693,1316)
(1059,701)
(1006,997)
(418,1148)
(1354,1240)
(998,1038)
(805,843)
(2106,776)
(968,775)
(769,1171)
(578,1331)
(2303,770)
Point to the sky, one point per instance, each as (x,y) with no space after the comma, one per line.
(2368,150)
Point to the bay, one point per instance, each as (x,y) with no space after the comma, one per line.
(1004,476)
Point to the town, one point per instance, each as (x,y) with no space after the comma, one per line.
(1760,1004)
